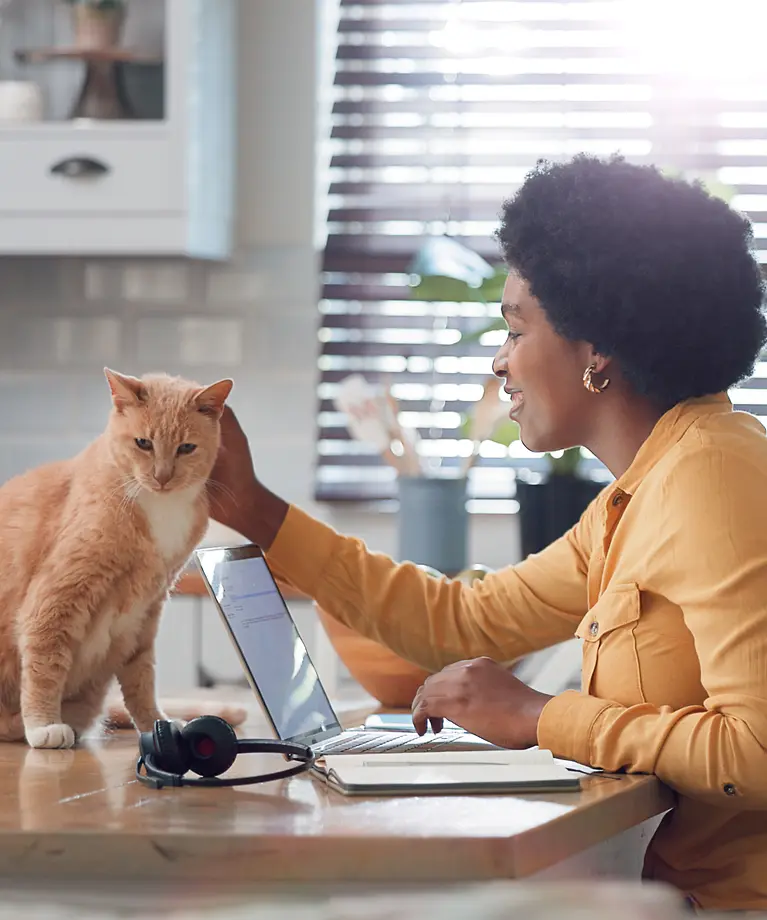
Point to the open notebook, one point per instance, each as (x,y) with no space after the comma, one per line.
(448,773)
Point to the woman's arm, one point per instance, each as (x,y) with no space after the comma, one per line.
(430,621)
(435,621)
(712,563)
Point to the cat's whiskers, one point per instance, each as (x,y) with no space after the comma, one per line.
(124,502)
(131,488)
(229,493)
(121,486)
(216,502)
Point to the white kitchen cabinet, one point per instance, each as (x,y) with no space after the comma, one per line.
(157,186)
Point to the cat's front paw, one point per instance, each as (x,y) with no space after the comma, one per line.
(56,735)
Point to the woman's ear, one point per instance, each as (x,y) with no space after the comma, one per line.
(598,361)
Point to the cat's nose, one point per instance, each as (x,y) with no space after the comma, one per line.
(163,477)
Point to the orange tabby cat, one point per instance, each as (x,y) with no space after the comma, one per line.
(90,547)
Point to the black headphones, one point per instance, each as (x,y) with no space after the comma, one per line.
(207,746)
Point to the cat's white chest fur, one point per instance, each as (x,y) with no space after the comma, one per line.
(171,518)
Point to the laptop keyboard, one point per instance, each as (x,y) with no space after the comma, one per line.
(377,742)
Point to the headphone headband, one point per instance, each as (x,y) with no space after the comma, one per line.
(270,746)
(208,746)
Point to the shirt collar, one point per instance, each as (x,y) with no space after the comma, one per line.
(668,431)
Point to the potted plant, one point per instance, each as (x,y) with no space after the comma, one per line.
(550,506)
(97,24)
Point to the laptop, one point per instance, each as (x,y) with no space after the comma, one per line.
(279,669)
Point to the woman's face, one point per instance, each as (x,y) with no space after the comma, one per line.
(543,372)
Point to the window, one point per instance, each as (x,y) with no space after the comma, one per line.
(439,110)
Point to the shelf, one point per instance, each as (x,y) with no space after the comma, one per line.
(144,164)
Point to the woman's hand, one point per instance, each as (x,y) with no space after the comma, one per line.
(237,499)
(484,698)
(232,484)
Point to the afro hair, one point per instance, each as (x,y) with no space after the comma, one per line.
(652,271)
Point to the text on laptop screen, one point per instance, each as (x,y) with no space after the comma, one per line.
(270,645)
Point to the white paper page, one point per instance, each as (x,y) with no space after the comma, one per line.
(417,773)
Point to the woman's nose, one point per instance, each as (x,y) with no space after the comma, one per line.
(499,364)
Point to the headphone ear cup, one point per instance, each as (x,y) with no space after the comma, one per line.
(212,745)
(171,752)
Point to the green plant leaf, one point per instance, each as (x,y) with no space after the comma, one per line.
(567,464)
(505,432)
(446,270)
(719,189)
(445,256)
(445,288)
(492,287)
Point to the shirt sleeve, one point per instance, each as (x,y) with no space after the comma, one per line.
(712,563)
(431,621)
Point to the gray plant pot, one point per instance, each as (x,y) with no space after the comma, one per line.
(433,523)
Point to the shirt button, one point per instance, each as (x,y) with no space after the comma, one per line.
(729,789)
(594,629)
(617,499)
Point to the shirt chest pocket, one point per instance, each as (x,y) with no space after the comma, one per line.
(610,661)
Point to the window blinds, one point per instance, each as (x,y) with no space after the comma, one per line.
(439,110)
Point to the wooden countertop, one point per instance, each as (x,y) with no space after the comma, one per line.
(72,813)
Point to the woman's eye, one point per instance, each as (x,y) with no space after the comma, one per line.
(513,336)
(144,443)
(186,449)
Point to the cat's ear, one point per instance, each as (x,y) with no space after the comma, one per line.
(126,391)
(210,400)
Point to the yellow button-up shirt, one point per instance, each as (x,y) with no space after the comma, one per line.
(665,580)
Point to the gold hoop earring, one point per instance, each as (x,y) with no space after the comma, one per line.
(588,380)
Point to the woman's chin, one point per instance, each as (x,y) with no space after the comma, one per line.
(536,442)
(532,442)
(527,440)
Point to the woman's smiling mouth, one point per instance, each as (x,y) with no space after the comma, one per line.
(517,399)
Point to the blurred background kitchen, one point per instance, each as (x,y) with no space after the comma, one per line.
(305,194)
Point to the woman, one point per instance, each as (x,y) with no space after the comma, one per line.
(633,303)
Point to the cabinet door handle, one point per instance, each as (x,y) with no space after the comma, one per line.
(79,167)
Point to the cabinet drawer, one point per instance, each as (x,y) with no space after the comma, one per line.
(89,175)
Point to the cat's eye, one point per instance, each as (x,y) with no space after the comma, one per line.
(144,443)
(186,449)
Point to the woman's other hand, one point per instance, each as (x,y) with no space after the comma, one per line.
(484,698)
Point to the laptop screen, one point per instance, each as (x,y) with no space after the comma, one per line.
(269,644)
